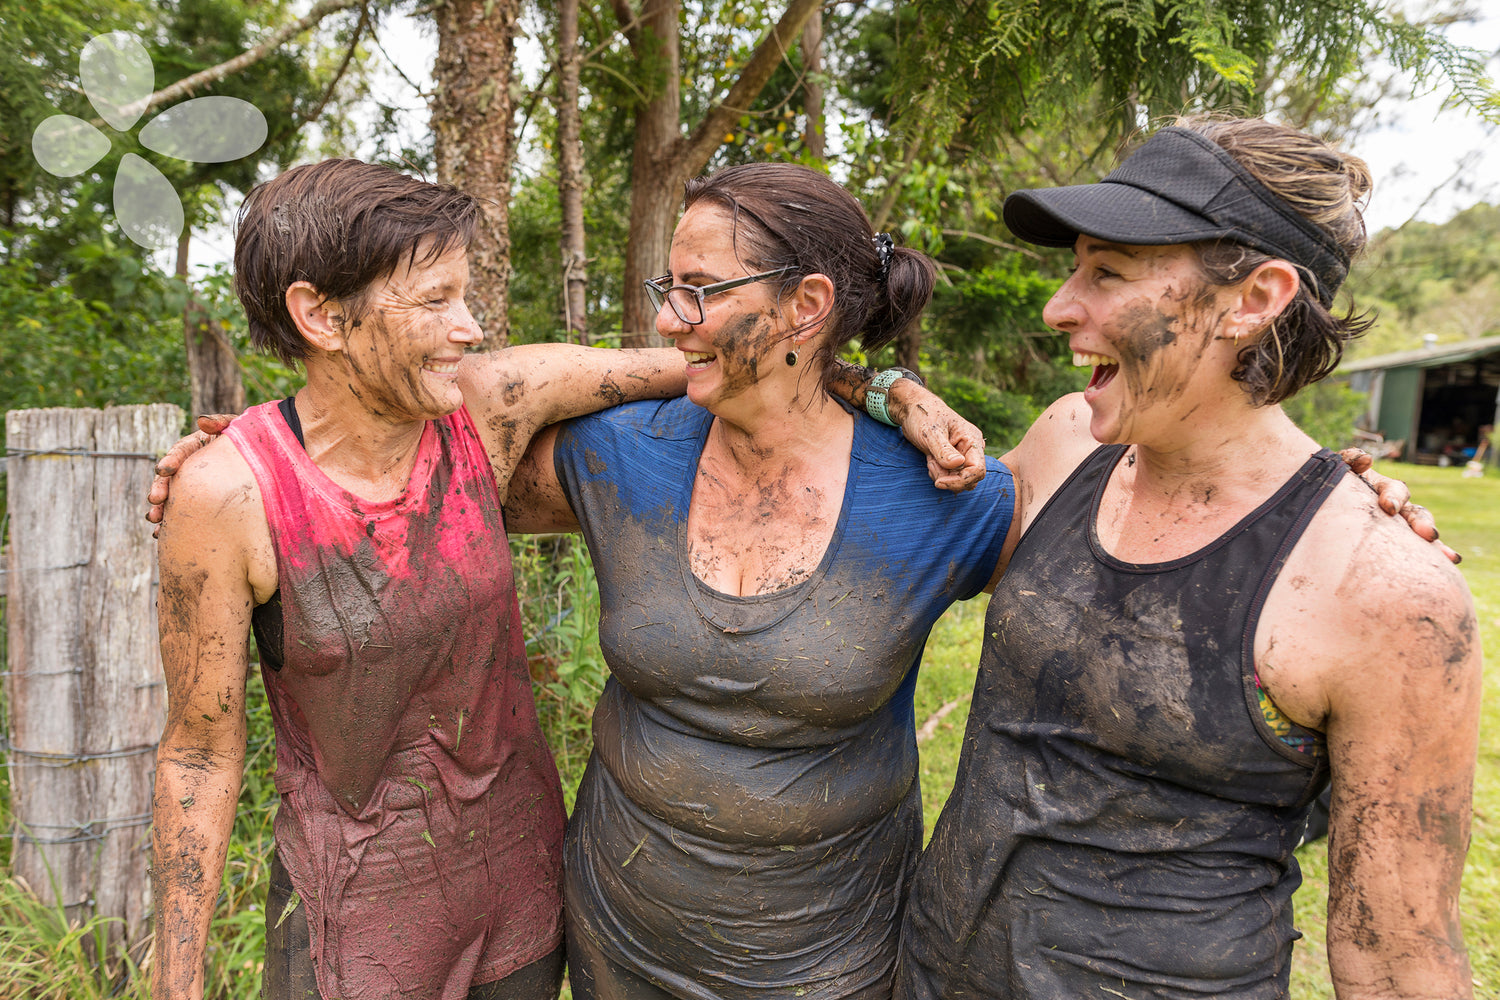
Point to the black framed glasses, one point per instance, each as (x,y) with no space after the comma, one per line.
(687,300)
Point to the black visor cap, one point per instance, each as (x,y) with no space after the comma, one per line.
(1179,187)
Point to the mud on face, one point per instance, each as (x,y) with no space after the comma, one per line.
(1161,345)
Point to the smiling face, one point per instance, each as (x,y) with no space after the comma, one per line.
(402,355)
(1153,330)
(743,339)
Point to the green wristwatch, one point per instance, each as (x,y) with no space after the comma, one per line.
(879,385)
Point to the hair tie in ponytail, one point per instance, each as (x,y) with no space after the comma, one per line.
(885,249)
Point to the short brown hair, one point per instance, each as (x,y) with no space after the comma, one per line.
(1323,185)
(340,225)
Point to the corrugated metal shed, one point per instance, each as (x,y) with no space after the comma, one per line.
(1436,399)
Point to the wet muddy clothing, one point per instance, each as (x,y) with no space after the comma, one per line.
(1123,818)
(421,815)
(289,973)
(748,822)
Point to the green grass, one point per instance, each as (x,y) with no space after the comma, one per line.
(1468,514)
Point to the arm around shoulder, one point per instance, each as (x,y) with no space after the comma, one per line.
(540,384)
(213,551)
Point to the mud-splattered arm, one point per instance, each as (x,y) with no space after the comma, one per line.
(204,610)
(1402,744)
(536,501)
(1370,636)
(514,393)
(954,447)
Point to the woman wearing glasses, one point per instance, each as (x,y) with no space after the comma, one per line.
(769,566)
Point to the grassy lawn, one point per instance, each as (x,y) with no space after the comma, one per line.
(1468,513)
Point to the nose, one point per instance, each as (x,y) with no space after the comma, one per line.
(465,329)
(669,324)
(1062,310)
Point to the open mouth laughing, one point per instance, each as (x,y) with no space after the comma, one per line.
(1105,368)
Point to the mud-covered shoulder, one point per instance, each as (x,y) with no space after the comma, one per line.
(215,519)
(1381,597)
(1387,564)
(1053,447)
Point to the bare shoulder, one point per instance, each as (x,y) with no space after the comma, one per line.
(1055,444)
(1362,603)
(215,522)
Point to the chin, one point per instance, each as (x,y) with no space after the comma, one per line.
(700,395)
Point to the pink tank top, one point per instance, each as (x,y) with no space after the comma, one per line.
(421,816)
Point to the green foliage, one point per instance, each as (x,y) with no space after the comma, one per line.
(59,349)
(1326,412)
(559,598)
(1013,65)
(1426,278)
(46,956)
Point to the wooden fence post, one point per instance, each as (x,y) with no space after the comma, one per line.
(84,678)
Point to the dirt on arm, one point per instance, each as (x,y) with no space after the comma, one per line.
(1370,636)
(210,558)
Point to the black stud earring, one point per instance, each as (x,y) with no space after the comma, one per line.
(791,359)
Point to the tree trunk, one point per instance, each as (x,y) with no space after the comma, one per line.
(663,158)
(812,83)
(213,366)
(655,179)
(909,348)
(570,176)
(473,143)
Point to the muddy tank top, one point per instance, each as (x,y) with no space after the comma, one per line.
(421,816)
(749,818)
(1123,818)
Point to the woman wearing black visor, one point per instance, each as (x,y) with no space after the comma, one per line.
(1206,620)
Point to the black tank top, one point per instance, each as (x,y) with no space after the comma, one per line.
(1123,816)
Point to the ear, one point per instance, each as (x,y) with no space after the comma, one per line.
(811,305)
(318,319)
(1265,294)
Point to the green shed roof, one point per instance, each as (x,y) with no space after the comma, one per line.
(1426,357)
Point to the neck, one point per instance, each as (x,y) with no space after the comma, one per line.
(799,431)
(355,447)
(1246,455)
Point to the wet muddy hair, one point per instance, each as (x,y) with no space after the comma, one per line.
(1326,187)
(340,226)
(787,215)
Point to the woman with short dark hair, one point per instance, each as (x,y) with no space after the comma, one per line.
(1204,621)
(355,528)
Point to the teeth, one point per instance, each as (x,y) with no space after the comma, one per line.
(449,368)
(1091,360)
(694,358)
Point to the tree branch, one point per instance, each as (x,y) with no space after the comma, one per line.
(627,18)
(696,149)
(214,74)
(364,19)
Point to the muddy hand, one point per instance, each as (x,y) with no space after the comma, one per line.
(1395,498)
(209,426)
(954,447)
